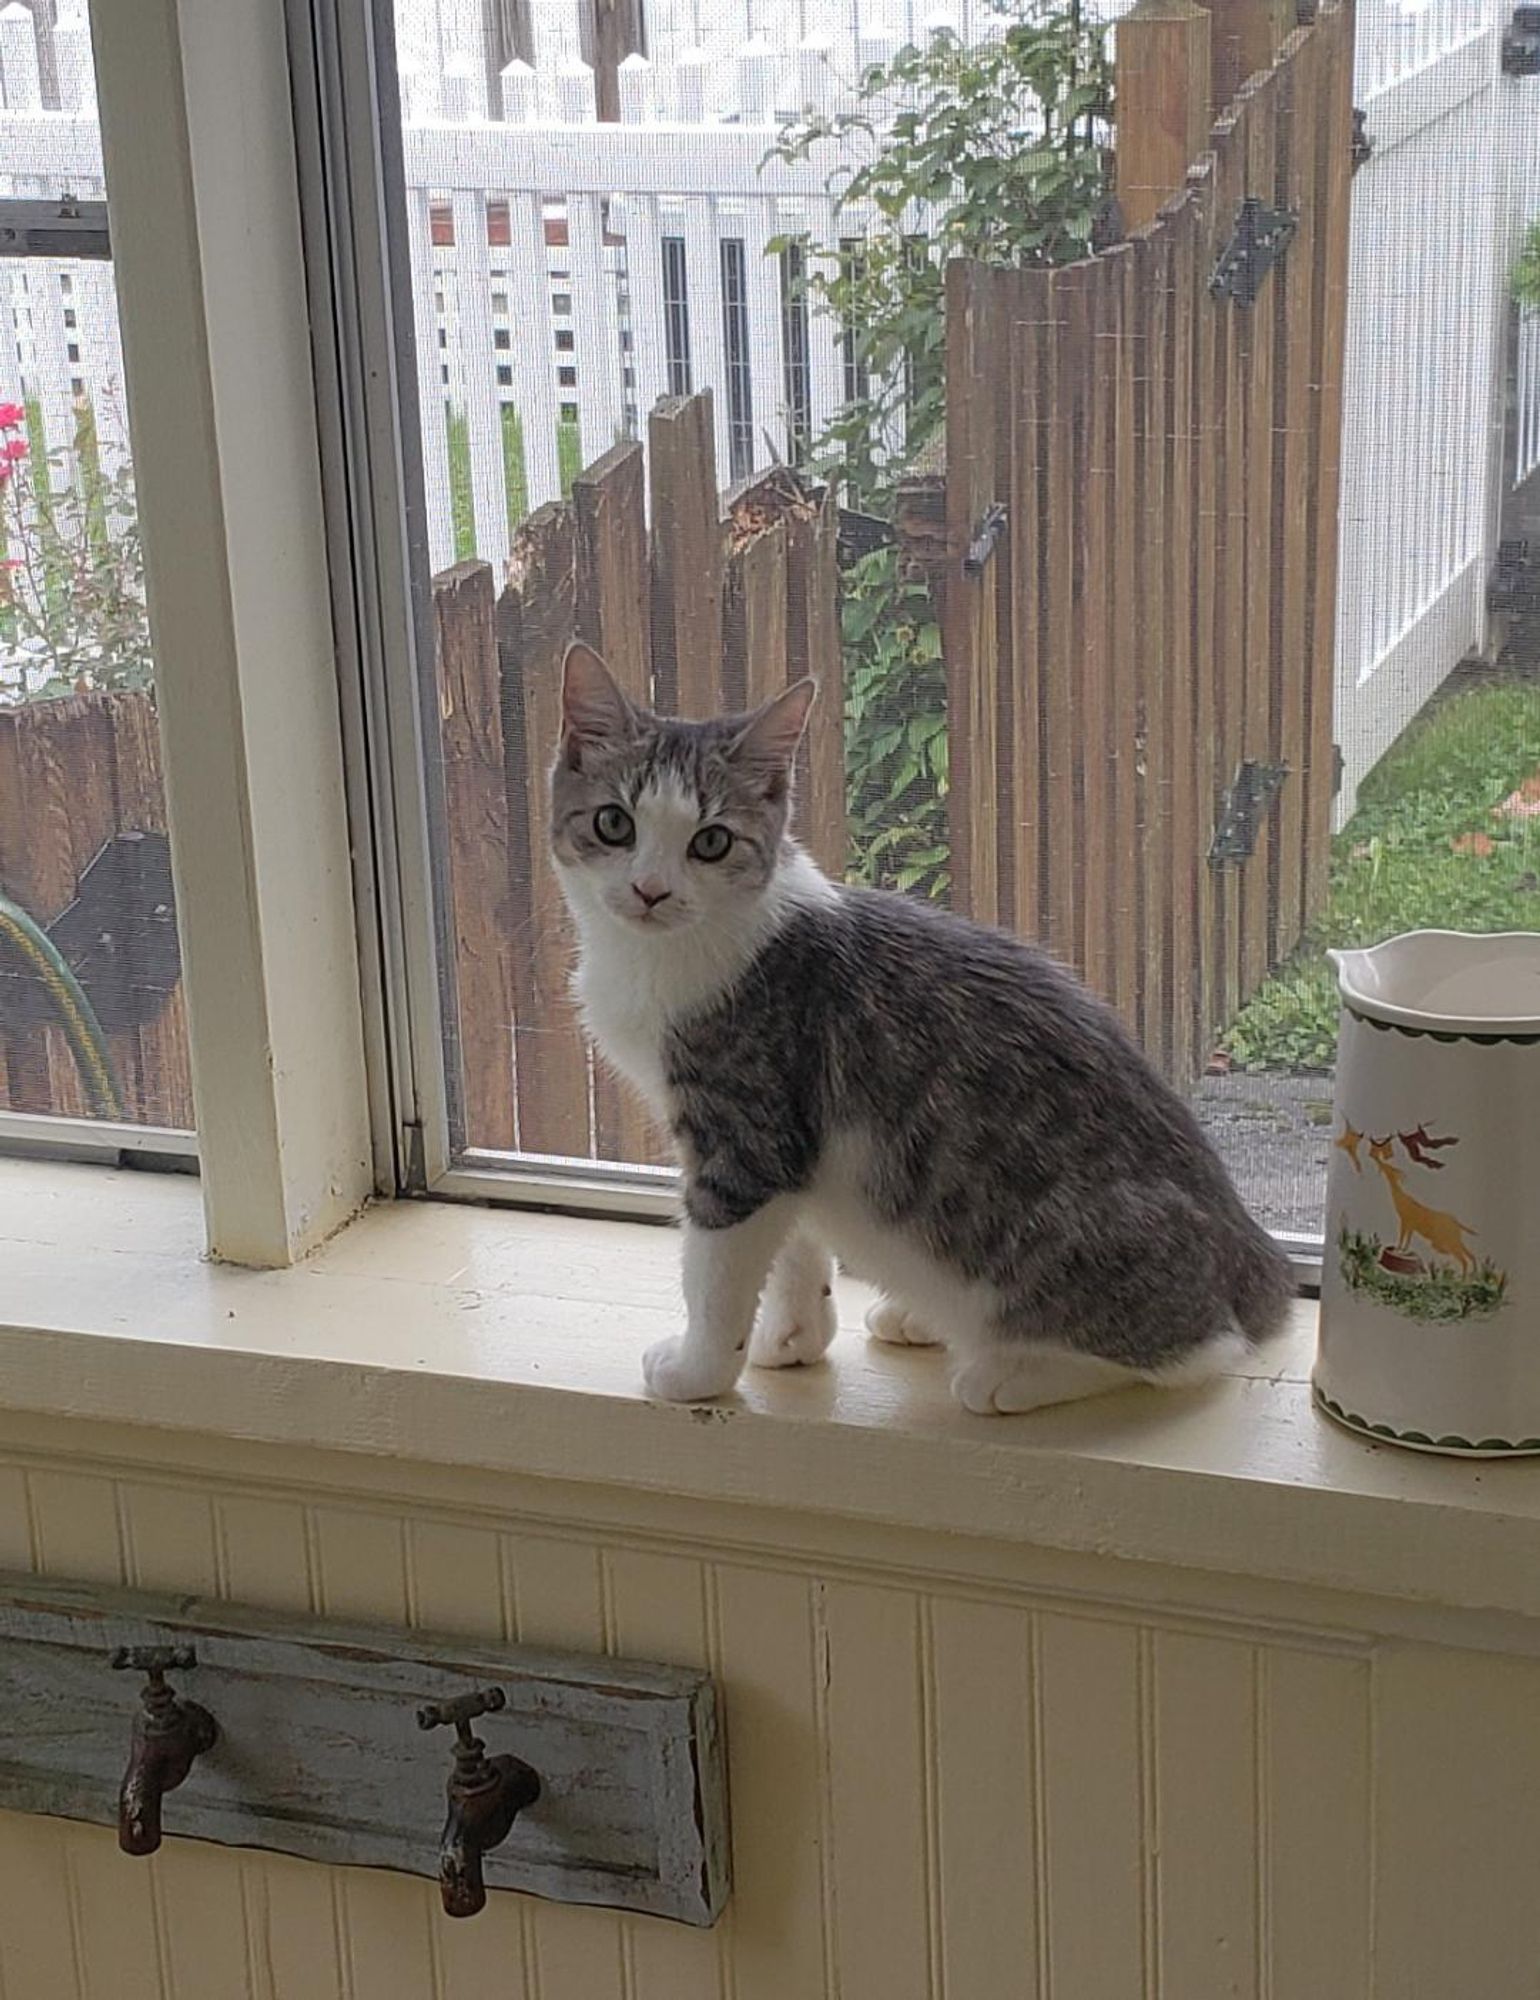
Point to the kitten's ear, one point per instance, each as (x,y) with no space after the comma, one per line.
(769,739)
(593,709)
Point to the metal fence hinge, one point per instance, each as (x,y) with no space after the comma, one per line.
(1521,43)
(1363,141)
(982,547)
(1257,242)
(1240,812)
(1338,770)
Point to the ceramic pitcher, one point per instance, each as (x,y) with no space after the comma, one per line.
(1430,1284)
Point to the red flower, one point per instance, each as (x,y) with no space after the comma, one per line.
(6,469)
(12,416)
(16,448)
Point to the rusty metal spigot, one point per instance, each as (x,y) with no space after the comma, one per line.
(486,1795)
(169,1736)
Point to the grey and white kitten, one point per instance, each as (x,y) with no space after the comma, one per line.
(849,1073)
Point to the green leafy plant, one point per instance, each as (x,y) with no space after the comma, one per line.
(991,152)
(72,599)
(895,728)
(1526,272)
(987,152)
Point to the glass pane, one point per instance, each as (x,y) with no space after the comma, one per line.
(91,1016)
(1152,507)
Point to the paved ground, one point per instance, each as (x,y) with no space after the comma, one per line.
(1274,1134)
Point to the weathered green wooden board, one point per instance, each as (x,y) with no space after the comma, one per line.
(320,1755)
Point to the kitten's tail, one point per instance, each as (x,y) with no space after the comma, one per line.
(1263,1286)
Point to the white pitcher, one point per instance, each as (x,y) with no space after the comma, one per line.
(1430,1284)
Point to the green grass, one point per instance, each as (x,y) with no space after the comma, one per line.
(569,455)
(1395,866)
(462,509)
(515,479)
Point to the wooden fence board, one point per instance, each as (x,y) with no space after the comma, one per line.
(1229,584)
(1155,555)
(481,919)
(813,647)
(1064,376)
(612,609)
(754,662)
(1123,648)
(687,557)
(972,640)
(1329,332)
(1098,755)
(1027,358)
(1206,432)
(1258,328)
(155,1057)
(613,591)
(1180,940)
(535,625)
(1246,35)
(1292,484)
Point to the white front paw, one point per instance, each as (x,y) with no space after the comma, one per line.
(680,1372)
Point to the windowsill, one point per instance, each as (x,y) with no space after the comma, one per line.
(509,1341)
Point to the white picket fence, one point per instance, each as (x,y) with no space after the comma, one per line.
(1437,213)
(587,221)
(566,273)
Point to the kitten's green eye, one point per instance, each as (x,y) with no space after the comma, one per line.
(613,826)
(711,843)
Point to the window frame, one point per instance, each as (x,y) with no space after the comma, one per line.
(222,413)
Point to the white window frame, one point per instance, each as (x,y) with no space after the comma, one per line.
(197,142)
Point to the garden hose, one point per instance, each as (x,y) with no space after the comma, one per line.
(77,1017)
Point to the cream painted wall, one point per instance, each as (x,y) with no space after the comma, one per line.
(957,1774)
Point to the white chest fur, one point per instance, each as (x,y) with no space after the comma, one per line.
(622,1015)
(633,984)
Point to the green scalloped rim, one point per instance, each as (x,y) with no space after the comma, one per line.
(1441,1035)
(1449,1442)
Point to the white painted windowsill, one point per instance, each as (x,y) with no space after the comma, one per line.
(509,1341)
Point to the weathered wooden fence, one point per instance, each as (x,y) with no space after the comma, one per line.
(1140,672)
(714,606)
(74,774)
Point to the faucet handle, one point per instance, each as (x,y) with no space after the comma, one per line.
(154,1660)
(460,1713)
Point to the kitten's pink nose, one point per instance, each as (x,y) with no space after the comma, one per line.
(651,891)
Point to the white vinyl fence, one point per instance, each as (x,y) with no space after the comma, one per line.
(1437,213)
(566,273)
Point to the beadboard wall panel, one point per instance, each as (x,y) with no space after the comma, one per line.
(938,1792)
